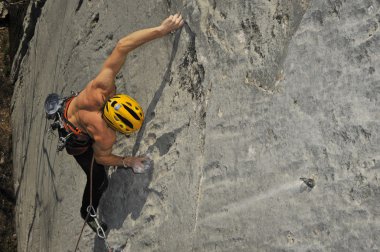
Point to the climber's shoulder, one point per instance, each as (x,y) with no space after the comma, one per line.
(104,82)
(94,97)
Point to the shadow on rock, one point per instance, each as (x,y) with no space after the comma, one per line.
(126,195)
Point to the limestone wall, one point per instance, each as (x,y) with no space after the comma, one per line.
(246,99)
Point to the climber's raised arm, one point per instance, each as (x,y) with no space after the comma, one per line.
(113,64)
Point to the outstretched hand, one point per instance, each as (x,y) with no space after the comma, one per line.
(172,23)
(141,164)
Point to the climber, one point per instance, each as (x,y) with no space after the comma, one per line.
(92,117)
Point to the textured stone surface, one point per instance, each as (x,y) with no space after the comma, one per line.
(248,98)
(3,11)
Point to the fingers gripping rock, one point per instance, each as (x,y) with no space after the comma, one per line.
(143,166)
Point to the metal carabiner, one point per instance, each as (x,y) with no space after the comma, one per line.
(99,230)
(62,141)
(91,211)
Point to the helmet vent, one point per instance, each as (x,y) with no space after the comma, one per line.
(113,103)
(125,121)
(109,123)
(132,113)
(130,105)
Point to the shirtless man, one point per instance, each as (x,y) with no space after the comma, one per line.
(96,112)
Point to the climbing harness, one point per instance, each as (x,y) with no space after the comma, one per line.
(56,110)
(54,106)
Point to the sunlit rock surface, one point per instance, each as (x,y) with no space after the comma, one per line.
(249,97)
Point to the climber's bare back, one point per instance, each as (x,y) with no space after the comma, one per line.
(85,112)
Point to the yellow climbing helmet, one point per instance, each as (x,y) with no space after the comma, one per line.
(123,114)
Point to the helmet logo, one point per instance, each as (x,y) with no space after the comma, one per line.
(117,107)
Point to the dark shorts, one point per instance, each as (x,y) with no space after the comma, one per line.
(76,144)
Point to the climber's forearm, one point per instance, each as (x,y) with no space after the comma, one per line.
(115,160)
(138,38)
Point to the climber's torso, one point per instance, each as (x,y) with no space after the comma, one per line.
(85,112)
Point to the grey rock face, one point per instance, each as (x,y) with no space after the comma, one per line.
(245,100)
(3,11)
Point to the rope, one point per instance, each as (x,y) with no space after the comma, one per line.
(89,209)
(88,212)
